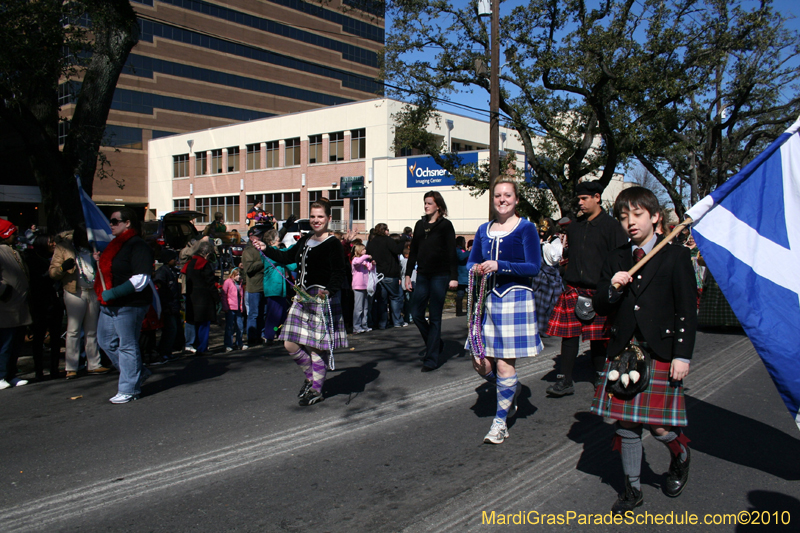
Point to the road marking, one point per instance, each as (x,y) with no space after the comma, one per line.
(540,480)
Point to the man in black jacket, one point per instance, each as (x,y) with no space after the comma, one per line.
(655,312)
(590,239)
(386,251)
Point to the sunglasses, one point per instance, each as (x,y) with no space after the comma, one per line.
(114,221)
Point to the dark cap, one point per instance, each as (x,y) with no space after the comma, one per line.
(590,187)
(258,231)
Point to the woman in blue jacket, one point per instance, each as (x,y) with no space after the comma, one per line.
(276,305)
(507,250)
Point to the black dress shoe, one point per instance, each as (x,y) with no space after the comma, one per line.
(678,474)
(428,368)
(562,387)
(628,500)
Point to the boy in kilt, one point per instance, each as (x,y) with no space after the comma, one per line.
(654,310)
(590,240)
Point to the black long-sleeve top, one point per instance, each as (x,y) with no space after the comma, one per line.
(323,265)
(433,249)
(590,242)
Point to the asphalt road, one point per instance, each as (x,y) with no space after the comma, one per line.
(219,443)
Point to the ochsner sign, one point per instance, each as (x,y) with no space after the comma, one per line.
(424,172)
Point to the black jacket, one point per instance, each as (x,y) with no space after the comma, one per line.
(661,302)
(322,266)
(589,243)
(385,251)
(202,295)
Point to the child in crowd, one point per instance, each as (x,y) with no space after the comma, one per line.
(232,304)
(361,266)
(652,313)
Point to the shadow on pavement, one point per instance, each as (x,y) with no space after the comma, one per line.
(770,510)
(351,380)
(198,369)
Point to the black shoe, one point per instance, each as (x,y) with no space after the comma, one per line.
(678,474)
(628,500)
(304,388)
(311,397)
(561,388)
(428,368)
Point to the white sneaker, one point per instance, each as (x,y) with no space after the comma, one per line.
(190,349)
(124,398)
(17,382)
(228,349)
(4,384)
(245,347)
(497,434)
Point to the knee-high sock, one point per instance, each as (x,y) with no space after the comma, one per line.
(675,442)
(303,360)
(318,372)
(569,352)
(631,451)
(506,387)
(491,377)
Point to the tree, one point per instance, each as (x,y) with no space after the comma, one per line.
(588,90)
(47,43)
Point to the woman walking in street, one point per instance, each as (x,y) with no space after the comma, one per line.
(314,327)
(507,250)
(433,250)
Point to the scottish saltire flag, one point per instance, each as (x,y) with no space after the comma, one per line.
(98,230)
(748,231)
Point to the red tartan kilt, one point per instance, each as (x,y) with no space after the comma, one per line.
(564,323)
(661,404)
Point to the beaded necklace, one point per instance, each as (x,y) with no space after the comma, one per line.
(476,301)
(82,268)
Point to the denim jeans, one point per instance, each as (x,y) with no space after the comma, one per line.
(190,333)
(390,290)
(10,345)
(361,310)
(233,327)
(203,330)
(118,331)
(255,316)
(429,292)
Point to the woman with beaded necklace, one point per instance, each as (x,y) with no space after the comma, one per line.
(506,255)
(314,328)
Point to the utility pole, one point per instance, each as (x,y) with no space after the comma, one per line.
(494,104)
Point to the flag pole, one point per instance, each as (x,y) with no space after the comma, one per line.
(666,240)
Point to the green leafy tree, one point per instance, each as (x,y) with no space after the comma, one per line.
(46,43)
(591,88)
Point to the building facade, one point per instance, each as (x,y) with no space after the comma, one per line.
(205,64)
(289,161)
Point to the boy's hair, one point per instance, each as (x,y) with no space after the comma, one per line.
(633,197)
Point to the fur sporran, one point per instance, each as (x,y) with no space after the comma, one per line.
(629,372)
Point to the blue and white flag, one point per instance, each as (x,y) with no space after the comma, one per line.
(748,231)
(98,230)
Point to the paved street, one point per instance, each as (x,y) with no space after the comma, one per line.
(219,443)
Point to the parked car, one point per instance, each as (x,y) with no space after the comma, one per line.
(294,231)
(172,230)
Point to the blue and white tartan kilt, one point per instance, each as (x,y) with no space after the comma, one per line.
(509,325)
(547,287)
(305,326)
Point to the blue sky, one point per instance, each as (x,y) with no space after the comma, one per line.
(480,100)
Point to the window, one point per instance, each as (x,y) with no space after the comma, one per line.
(253,156)
(358,144)
(292,152)
(227,205)
(336,146)
(180,166)
(122,137)
(332,195)
(273,153)
(359,208)
(314,149)
(282,205)
(233,159)
(180,204)
(199,163)
(216,161)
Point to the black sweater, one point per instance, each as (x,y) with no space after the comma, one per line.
(433,249)
(385,251)
(324,265)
